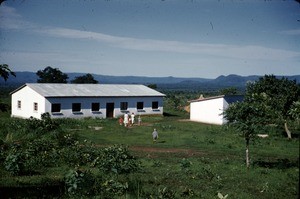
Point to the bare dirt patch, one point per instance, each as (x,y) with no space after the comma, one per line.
(154,151)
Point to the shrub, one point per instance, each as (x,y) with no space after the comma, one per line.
(45,125)
(13,163)
(117,159)
(166,193)
(111,188)
(40,153)
(78,182)
(185,164)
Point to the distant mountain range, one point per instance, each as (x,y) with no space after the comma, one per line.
(161,82)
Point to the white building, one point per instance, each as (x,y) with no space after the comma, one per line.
(84,100)
(210,110)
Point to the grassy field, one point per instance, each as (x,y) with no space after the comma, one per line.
(214,157)
(189,160)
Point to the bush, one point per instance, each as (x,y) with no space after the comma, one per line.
(185,164)
(111,188)
(45,125)
(117,159)
(13,163)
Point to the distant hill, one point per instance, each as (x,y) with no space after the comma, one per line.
(31,77)
(176,83)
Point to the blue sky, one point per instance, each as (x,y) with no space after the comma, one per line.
(155,38)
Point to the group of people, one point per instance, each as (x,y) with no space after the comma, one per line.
(129,120)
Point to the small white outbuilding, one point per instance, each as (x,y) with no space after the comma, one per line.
(84,100)
(210,110)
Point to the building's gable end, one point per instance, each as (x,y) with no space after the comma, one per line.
(211,109)
(26,102)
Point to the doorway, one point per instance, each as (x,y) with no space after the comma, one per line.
(110,110)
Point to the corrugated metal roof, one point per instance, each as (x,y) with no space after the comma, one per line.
(229,98)
(92,90)
(201,98)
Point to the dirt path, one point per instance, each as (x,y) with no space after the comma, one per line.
(154,151)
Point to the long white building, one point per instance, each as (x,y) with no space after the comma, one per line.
(84,100)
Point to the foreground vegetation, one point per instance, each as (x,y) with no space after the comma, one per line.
(98,158)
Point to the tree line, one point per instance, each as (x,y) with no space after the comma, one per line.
(50,75)
(54,75)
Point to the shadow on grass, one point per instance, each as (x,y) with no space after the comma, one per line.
(169,114)
(278,164)
(296,135)
(55,190)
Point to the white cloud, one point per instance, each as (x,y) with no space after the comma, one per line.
(12,20)
(219,50)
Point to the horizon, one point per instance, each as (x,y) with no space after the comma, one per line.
(184,39)
(276,75)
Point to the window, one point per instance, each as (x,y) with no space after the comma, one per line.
(76,107)
(95,107)
(140,105)
(155,105)
(55,108)
(35,106)
(124,106)
(19,104)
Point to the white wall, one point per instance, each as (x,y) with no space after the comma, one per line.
(28,97)
(66,106)
(225,106)
(208,111)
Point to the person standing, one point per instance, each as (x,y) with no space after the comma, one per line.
(139,120)
(132,118)
(154,135)
(121,121)
(126,119)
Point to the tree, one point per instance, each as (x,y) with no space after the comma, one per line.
(228,91)
(51,75)
(84,79)
(268,102)
(5,72)
(153,86)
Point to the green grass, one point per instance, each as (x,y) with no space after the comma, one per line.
(216,154)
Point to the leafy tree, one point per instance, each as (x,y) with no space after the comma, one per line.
(5,71)
(153,86)
(294,111)
(51,75)
(268,101)
(229,91)
(84,79)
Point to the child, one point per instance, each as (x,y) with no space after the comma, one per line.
(121,121)
(154,135)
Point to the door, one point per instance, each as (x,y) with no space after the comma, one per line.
(110,110)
